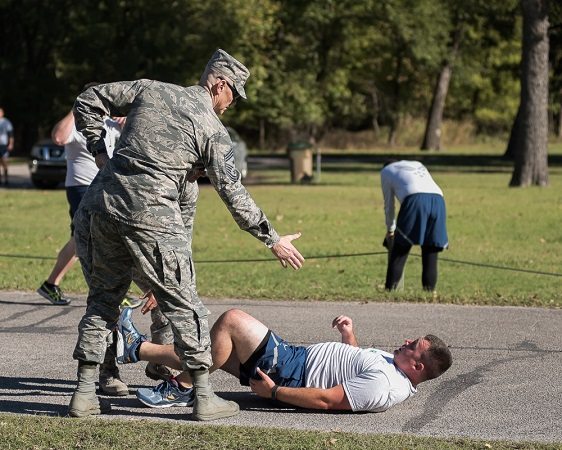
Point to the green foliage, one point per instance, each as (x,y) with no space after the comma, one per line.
(316,65)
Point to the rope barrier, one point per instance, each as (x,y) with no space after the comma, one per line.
(335,256)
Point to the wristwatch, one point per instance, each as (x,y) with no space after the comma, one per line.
(274,392)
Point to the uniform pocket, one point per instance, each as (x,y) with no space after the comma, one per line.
(201,318)
(175,266)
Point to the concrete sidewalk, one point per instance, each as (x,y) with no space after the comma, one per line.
(504,383)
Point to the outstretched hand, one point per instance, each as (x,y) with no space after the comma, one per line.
(287,253)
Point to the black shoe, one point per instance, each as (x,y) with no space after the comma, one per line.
(53,293)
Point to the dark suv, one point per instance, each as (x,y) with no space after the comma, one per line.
(47,164)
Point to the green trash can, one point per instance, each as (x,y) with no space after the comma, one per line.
(300,156)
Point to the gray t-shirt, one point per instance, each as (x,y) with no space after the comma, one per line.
(81,166)
(6,131)
(369,377)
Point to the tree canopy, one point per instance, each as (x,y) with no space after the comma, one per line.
(316,65)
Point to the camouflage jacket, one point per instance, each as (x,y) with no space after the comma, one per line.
(170,131)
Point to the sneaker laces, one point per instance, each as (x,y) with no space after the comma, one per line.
(52,291)
(165,388)
(59,293)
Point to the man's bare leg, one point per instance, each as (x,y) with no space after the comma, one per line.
(160,354)
(234,338)
(65,260)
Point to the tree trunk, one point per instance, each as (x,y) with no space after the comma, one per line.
(432,136)
(433,129)
(393,131)
(396,104)
(531,149)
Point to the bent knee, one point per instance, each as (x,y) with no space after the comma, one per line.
(232,316)
(235,318)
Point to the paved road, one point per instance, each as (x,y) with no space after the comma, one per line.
(504,384)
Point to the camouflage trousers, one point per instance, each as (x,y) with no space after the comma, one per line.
(108,251)
(160,329)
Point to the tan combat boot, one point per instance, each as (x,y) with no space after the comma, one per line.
(209,406)
(110,382)
(84,401)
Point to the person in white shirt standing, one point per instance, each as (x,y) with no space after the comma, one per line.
(421,219)
(80,171)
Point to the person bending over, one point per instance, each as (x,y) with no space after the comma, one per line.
(421,220)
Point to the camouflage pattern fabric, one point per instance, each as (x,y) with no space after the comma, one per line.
(170,131)
(139,205)
(167,266)
(160,328)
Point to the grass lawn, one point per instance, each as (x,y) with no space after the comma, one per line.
(491,227)
(40,433)
(341,217)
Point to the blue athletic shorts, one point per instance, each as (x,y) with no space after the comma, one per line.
(285,364)
(74,196)
(4,151)
(422,221)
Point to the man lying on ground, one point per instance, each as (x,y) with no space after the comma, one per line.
(331,375)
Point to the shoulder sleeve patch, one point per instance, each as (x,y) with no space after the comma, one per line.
(229,165)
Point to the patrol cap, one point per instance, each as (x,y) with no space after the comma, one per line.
(221,63)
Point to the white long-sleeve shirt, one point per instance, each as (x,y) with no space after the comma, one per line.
(401,179)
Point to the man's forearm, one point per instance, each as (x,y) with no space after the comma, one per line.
(349,338)
(311,398)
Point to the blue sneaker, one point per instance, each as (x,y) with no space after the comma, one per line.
(165,395)
(128,338)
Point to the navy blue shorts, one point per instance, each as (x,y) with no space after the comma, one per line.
(422,221)
(74,195)
(284,363)
(4,151)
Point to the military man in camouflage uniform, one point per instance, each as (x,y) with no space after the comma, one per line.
(172,132)
(160,328)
